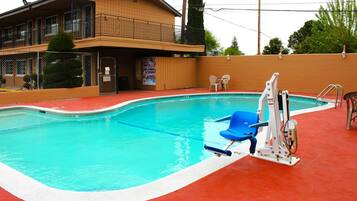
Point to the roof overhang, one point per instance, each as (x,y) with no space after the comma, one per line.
(40,3)
(113,42)
(36,9)
(25,8)
(170,8)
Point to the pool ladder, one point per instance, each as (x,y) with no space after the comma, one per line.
(339,93)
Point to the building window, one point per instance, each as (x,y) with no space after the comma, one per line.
(8,35)
(21,67)
(9,67)
(71,25)
(20,32)
(51,25)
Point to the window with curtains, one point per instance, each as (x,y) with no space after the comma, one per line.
(51,25)
(9,67)
(20,32)
(71,23)
(8,35)
(21,67)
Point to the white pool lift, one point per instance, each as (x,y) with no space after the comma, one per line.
(281,133)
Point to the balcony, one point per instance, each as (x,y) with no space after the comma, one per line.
(116,26)
(102,25)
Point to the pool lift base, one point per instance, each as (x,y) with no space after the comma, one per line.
(281,135)
(289,160)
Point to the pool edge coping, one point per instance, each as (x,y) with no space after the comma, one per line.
(27,188)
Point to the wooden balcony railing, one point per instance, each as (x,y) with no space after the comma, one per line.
(116,26)
(101,25)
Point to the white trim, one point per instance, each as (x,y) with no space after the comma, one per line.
(29,189)
(119,105)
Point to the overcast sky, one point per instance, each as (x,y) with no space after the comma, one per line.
(274,24)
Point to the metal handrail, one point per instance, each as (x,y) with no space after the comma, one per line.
(339,93)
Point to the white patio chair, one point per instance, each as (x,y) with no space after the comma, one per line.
(225,81)
(213,82)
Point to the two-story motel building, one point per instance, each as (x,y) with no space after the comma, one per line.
(112,36)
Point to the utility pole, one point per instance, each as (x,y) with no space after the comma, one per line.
(258,27)
(183,23)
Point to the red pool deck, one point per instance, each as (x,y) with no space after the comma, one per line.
(327,170)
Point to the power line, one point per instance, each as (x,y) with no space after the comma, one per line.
(267,4)
(273,10)
(242,26)
(255,4)
(238,25)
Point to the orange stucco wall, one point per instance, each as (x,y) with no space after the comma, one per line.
(298,73)
(175,73)
(139,9)
(46,95)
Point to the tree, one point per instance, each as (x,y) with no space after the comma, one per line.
(212,44)
(195,33)
(297,41)
(233,49)
(336,27)
(274,47)
(63,69)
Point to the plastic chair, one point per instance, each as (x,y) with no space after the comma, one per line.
(351,99)
(243,127)
(225,81)
(213,82)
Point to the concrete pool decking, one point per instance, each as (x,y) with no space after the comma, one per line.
(328,170)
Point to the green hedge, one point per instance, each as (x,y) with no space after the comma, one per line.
(66,74)
(63,69)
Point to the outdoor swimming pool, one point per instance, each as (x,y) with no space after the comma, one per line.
(133,145)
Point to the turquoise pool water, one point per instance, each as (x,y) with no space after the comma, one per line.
(134,145)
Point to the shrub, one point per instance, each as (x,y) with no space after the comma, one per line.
(34,79)
(66,74)
(2,80)
(63,69)
(27,80)
(27,85)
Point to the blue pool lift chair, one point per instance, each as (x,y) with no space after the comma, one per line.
(243,126)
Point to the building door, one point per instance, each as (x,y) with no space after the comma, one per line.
(87,70)
(38,31)
(88,21)
(10,72)
(107,75)
(29,33)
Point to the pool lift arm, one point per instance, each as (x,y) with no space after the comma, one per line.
(281,135)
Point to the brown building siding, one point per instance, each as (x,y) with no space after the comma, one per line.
(139,9)
(175,73)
